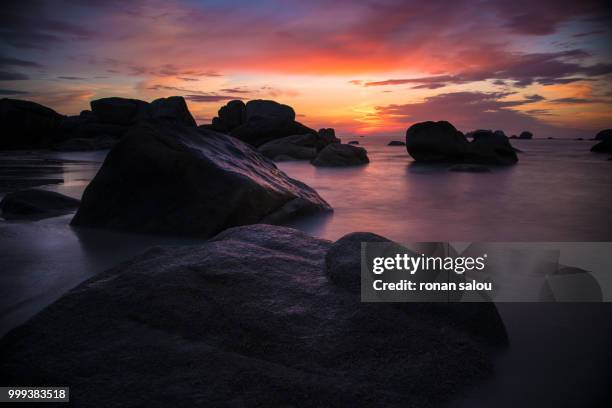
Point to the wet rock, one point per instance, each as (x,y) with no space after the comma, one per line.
(36,204)
(337,155)
(248,317)
(27,125)
(170,179)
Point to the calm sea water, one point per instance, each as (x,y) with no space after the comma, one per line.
(559,191)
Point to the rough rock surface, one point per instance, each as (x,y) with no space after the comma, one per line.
(246,319)
(336,155)
(170,179)
(296,147)
(26,125)
(36,204)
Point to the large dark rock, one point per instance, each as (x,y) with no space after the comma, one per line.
(396,143)
(231,115)
(526,135)
(435,142)
(259,131)
(605,146)
(604,134)
(490,148)
(250,319)
(440,142)
(336,155)
(264,121)
(26,125)
(36,204)
(172,109)
(296,147)
(120,111)
(170,179)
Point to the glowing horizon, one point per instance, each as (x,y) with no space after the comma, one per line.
(368,68)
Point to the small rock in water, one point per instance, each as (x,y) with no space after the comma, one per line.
(396,143)
(337,155)
(353,142)
(36,204)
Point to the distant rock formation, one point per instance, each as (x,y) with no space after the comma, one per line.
(27,125)
(604,134)
(256,316)
(337,155)
(296,147)
(172,179)
(396,143)
(605,146)
(354,142)
(432,142)
(525,135)
(258,121)
(36,204)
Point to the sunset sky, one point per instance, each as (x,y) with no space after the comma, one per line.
(363,67)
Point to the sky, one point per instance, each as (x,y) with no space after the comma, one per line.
(363,67)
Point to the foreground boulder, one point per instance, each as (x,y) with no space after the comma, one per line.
(432,142)
(296,147)
(36,204)
(26,125)
(604,146)
(435,142)
(170,179)
(336,155)
(604,134)
(248,318)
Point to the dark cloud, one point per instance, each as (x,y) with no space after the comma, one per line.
(12,76)
(521,69)
(471,110)
(9,92)
(210,98)
(26,24)
(16,62)
(72,78)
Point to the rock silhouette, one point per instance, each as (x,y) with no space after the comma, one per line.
(26,125)
(432,142)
